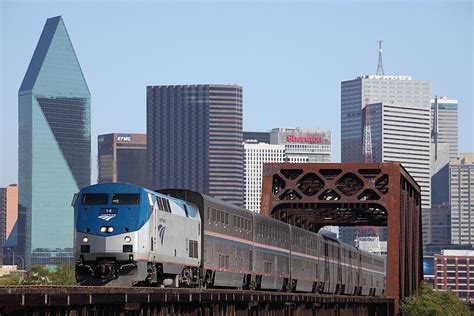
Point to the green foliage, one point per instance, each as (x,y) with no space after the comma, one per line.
(64,275)
(10,280)
(433,303)
(40,275)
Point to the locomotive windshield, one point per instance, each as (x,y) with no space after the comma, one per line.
(95,199)
(125,198)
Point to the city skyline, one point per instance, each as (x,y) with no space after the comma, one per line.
(302,58)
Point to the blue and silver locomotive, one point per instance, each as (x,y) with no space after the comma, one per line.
(126,235)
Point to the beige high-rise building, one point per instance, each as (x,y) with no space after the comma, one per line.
(8,217)
(461,199)
(255,155)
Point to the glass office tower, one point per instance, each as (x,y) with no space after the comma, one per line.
(54,146)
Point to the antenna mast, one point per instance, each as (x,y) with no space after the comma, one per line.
(380,65)
(367,149)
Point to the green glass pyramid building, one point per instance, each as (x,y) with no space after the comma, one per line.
(54,146)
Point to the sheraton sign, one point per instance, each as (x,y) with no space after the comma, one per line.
(304,139)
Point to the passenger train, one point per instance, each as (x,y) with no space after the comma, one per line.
(127,235)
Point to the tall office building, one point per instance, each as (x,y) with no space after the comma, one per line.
(303,144)
(400,125)
(54,146)
(194,139)
(255,155)
(122,158)
(8,220)
(444,121)
(461,199)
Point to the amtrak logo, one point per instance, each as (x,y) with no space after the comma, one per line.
(107,217)
(161,232)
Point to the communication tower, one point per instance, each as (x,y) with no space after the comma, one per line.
(380,65)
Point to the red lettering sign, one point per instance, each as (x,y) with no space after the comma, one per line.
(304,139)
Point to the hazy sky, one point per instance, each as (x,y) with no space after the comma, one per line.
(290,57)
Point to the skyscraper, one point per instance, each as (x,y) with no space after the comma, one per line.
(400,125)
(122,158)
(303,144)
(194,139)
(8,219)
(444,121)
(461,199)
(255,155)
(54,145)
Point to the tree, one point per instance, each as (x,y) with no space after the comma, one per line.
(433,303)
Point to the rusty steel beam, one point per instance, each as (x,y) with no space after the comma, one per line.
(353,194)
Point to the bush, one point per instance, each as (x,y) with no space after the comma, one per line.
(40,275)
(433,303)
(10,280)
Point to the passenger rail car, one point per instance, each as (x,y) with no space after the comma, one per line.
(183,238)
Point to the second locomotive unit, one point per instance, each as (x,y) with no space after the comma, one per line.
(126,235)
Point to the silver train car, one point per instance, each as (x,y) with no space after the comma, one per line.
(200,241)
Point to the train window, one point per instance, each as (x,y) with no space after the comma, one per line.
(95,198)
(125,198)
(223,261)
(227,218)
(214,215)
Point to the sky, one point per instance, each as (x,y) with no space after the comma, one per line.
(289,57)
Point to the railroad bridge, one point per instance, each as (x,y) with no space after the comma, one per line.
(313,195)
(93,300)
(306,195)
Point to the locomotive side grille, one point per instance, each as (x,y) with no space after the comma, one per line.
(193,249)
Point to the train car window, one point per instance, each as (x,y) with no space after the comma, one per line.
(227,218)
(214,215)
(95,199)
(125,198)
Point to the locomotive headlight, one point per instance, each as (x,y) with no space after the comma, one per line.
(103,229)
(128,239)
(110,229)
(85,239)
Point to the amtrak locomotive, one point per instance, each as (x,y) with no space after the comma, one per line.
(126,235)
